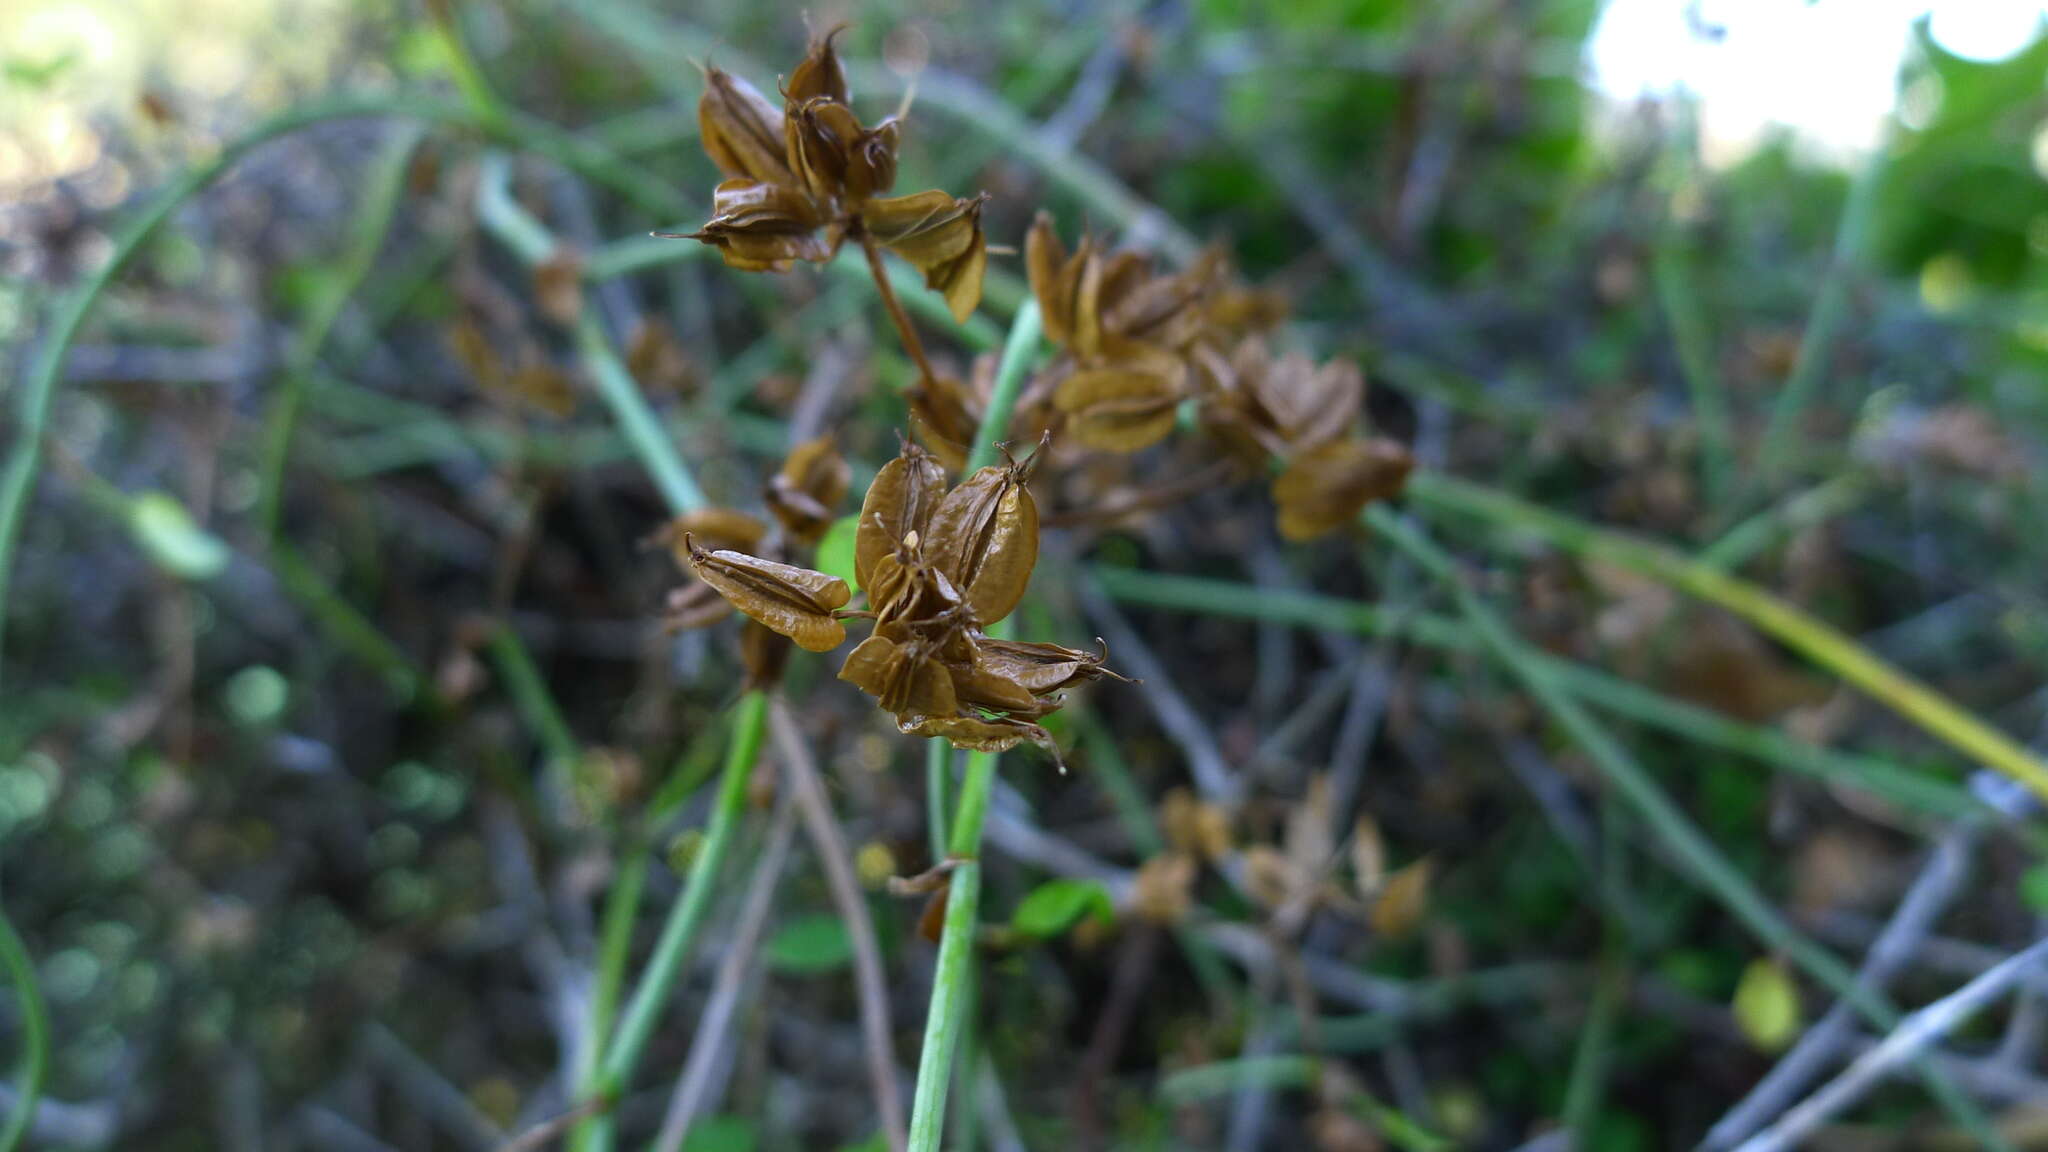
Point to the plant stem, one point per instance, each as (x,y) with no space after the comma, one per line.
(35,1034)
(1824,645)
(1916,790)
(672,950)
(1018,352)
(950,991)
(911,343)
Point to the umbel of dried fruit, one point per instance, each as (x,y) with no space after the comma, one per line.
(806,177)
(939,566)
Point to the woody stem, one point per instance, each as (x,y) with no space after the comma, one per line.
(911,343)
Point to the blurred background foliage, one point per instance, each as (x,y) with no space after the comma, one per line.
(285,834)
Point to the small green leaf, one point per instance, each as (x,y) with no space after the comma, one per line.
(809,944)
(2034,889)
(835,551)
(1767,1004)
(179,546)
(1054,906)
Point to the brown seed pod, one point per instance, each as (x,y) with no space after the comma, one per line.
(940,236)
(1124,406)
(906,679)
(908,592)
(819,75)
(806,493)
(1309,405)
(1325,487)
(795,602)
(899,501)
(947,412)
(983,734)
(742,131)
(819,135)
(984,536)
(761,227)
(1039,668)
(978,688)
(764,654)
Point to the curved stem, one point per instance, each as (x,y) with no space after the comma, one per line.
(35,1034)
(911,343)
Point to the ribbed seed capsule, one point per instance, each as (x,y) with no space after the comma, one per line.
(984,535)
(903,678)
(1038,668)
(796,602)
(899,502)
(978,734)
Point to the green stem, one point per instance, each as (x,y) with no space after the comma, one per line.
(956,937)
(938,782)
(531,697)
(1781,435)
(1694,853)
(35,1034)
(1018,352)
(384,189)
(1674,276)
(533,243)
(614,949)
(1915,790)
(1824,645)
(672,950)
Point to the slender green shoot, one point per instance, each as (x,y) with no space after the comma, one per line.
(35,1034)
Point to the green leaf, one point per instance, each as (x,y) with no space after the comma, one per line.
(177,544)
(1054,906)
(810,944)
(835,551)
(1767,1004)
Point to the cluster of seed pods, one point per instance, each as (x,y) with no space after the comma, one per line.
(939,567)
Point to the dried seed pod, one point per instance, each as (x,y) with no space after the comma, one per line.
(819,135)
(909,593)
(984,535)
(979,688)
(819,75)
(712,529)
(938,235)
(761,227)
(805,494)
(1325,487)
(982,734)
(1039,668)
(899,501)
(1310,405)
(742,131)
(1124,406)
(1055,278)
(795,602)
(906,679)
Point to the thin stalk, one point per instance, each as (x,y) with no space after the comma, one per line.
(1761,532)
(1831,649)
(672,950)
(384,189)
(35,1034)
(1018,352)
(533,243)
(1781,434)
(1917,791)
(614,949)
(1695,854)
(1674,276)
(938,782)
(908,334)
(950,991)
(530,695)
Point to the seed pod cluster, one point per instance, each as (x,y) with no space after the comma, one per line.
(803,178)
(1142,350)
(939,566)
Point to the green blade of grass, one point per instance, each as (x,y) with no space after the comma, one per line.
(1831,649)
(35,1034)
